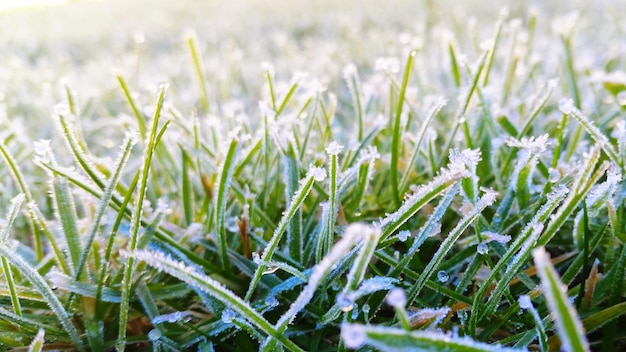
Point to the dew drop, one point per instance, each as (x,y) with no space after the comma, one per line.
(443,276)
(344,302)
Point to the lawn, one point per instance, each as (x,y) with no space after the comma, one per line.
(313,176)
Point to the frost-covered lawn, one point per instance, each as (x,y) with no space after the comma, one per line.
(313,176)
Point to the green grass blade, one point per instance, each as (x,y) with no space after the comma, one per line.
(37,344)
(219,202)
(396,137)
(46,292)
(456,170)
(130,141)
(65,211)
(315,174)
(141,120)
(568,324)
(17,175)
(196,57)
(486,200)
(196,279)
(134,236)
(16,204)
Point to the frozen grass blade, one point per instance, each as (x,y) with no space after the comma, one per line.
(315,174)
(567,107)
(333,151)
(206,284)
(219,201)
(46,292)
(196,57)
(395,137)
(65,211)
(395,340)
(351,76)
(456,170)
(37,344)
(515,257)
(437,105)
(486,200)
(141,120)
(568,323)
(128,144)
(16,204)
(291,176)
(136,221)
(19,179)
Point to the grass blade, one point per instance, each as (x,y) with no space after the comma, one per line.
(568,323)
(219,202)
(315,174)
(196,279)
(395,340)
(395,137)
(134,237)
(46,292)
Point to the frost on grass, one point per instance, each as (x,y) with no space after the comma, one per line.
(490,236)
(353,234)
(396,298)
(172,317)
(525,302)
(395,340)
(428,316)
(334,148)
(457,169)
(318,173)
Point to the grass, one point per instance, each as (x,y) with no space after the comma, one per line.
(362,178)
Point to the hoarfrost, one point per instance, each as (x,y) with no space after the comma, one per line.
(172,317)
(525,302)
(396,298)
(334,148)
(482,248)
(353,336)
(317,173)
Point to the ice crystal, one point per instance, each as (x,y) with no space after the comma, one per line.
(482,248)
(525,302)
(396,298)
(334,148)
(172,317)
(353,335)
(318,173)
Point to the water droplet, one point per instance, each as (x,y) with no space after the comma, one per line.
(231,224)
(366,308)
(482,248)
(443,276)
(154,335)
(344,302)
(270,270)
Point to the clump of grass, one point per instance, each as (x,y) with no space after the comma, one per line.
(462,203)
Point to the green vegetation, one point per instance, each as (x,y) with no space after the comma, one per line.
(403,178)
